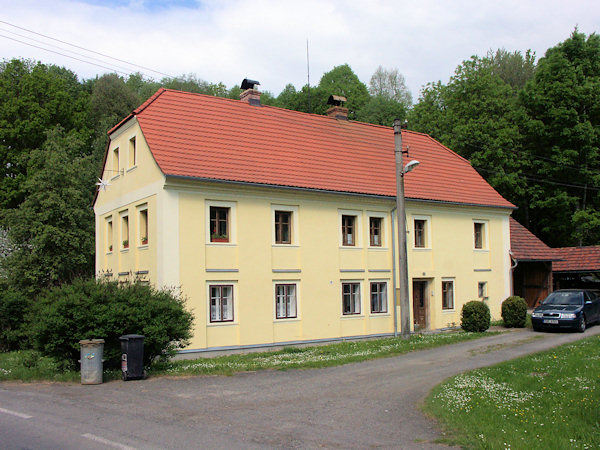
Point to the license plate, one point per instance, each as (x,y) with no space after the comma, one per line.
(555,321)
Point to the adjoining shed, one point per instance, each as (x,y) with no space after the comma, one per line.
(532,267)
(579,267)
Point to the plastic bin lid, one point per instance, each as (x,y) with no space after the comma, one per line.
(131,336)
(91,341)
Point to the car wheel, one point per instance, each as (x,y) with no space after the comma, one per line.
(581,325)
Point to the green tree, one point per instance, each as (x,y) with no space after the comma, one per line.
(381,111)
(52,230)
(33,98)
(562,127)
(341,80)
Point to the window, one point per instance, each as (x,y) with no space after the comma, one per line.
(115,162)
(479,236)
(375,231)
(351,298)
(285,301)
(378,297)
(109,234)
(132,152)
(283,226)
(447,294)
(143,223)
(348,230)
(420,239)
(221,303)
(482,289)
(124,231)
(219,224)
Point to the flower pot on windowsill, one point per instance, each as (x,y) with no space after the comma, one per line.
(144,241)
(125,244)
(219,238)
(110,248)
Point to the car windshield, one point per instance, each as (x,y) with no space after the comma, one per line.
(564,298)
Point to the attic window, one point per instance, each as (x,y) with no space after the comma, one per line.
(132,152)
(115,162)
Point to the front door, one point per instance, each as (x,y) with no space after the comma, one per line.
(420,304)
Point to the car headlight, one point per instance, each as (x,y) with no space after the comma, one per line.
(536,314)
(568,315)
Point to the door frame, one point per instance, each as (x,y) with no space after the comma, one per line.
(426,300)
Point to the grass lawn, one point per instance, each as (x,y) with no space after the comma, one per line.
(30,366)
(550,400)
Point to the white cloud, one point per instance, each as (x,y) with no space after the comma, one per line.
(266,40)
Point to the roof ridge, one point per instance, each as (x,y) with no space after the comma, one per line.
(149,101)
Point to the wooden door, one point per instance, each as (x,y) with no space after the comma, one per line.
(420,304)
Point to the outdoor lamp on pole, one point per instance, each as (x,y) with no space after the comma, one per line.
(400,205)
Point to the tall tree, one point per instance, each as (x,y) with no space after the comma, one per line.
(562,127)
(52,230)
(390,84)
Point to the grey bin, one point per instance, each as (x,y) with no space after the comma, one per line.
(92,351)
(132,357)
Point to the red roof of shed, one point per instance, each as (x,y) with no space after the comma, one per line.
(578,259)
(206,137)
(526,246)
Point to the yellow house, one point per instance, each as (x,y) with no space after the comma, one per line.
(278,226)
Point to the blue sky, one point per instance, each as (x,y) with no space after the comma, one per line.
(228,40)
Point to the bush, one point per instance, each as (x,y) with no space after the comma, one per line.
(87,309)
(514,312)
(475,316)
(14,307)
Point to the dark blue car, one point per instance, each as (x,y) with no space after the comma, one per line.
(567,309)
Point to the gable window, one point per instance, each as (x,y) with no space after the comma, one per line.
(285,301)
(479,235)
(447,294)
(219,224)
(350,298)
(132,152)
(115,162)
(378,297)
(221,303)
(143,224)
(420,238)
(124,231)
(375,231)
(283,226)
(348,230)
(109,234)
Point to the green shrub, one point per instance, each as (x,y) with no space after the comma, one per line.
(14,308)
(87,309)
(475,316)
(514,312)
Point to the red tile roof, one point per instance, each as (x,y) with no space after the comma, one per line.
(525,246)
(578,259)
(205,137)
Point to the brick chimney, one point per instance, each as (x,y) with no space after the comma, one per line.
(250,94)
(337,110)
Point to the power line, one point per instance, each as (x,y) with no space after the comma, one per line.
(85,49)
(62,54)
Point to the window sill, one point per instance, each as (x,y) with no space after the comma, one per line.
(376,248)
(481,250)
(142,246)
(124,250)
(353,316)
(350,247)
(422,249)
(381,314)
(285,245)
(288,320)
(221,324)
(447,311)
(220,244)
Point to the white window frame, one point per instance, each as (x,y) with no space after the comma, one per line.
(484,239)
(453,281)
(124,215)
(115,168)
(360,313)
(140,209)
(427,220)
(384,229)
(358,225)
(483,284)
(133,139)
(234,299)
(109,237)
(387,298)
(294,232)
(232,221)
(296,284)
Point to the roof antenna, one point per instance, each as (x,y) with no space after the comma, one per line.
(308,75)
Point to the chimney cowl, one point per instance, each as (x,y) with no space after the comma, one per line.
(250,94)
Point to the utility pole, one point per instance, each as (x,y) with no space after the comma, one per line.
(400,205)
